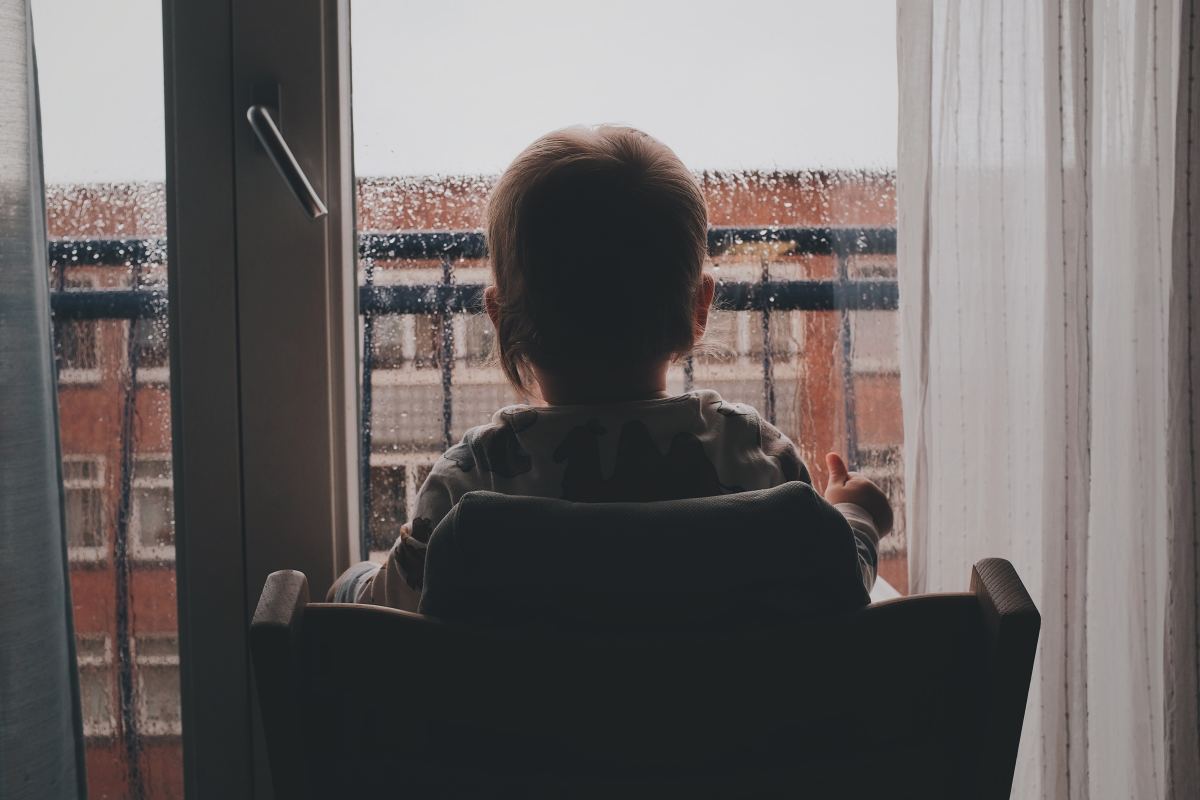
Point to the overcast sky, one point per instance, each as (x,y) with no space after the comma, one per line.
(458,86)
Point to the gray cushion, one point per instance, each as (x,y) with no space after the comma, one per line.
(498,559)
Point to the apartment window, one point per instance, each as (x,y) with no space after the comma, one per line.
(152,519)
(157,659)
(479,337)
(77,351)
(83,500)
(869,269)
(875,342)
(77,341)
(427,335)
(391,334)
(720,337)
(94,652)
(153,351)
(785,330)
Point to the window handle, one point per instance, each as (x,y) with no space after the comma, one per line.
(272,140)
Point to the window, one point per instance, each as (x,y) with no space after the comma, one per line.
(802,210)
(77,342)
(94,653)
(152,521)
(785,334)
(395,479)
(389,506)
(875,342)
(157,657)
(83,500)
(152,351)
(106,223)
(764,165)
(477,339)
(152,344)
(427,340)
(77,351)
(392,342)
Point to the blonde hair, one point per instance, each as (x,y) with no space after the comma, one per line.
(597,238)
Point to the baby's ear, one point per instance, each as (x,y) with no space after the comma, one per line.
(491,304)
(704,298)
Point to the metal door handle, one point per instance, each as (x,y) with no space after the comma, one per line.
(272,140)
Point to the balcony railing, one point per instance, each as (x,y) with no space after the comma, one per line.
(840,294)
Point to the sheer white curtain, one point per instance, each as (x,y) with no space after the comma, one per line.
(41,737)
(1050,352)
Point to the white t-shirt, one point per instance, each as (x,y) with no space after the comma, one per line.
(691,445)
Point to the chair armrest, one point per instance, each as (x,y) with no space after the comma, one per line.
(274,646)
(1010,627)
(282,602)
(1000,591)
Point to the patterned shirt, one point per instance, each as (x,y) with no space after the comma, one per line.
(691,445)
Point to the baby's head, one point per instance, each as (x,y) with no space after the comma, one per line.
(597,238)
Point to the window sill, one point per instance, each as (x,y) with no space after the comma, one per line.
(154,375)
(79,376)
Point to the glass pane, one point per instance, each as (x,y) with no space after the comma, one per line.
(791,137)
(158,701)
(100,72)
(153,521)
(83,507)
(389,508)
(96,695)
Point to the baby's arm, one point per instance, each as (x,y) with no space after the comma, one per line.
(865,507)
(398,582)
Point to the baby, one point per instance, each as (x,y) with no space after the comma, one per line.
(597,238)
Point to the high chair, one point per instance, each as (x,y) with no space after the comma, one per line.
(716,647)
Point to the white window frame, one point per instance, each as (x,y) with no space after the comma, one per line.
(87,554)
(263,317)
(146,725)
(102,663)
(140,551)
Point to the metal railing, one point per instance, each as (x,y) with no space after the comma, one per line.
(841,294)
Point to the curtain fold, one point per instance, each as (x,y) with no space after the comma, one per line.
(41,738)
(1182,647)
(1048,321)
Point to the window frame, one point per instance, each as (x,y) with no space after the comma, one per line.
(251,362)
(81,376)
(94,554)
(140,551)
(102,664)
(147,725)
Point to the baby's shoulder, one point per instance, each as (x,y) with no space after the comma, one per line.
(492,450)
(745,432)
(719,411)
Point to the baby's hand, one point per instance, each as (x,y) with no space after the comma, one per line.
(850,487)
